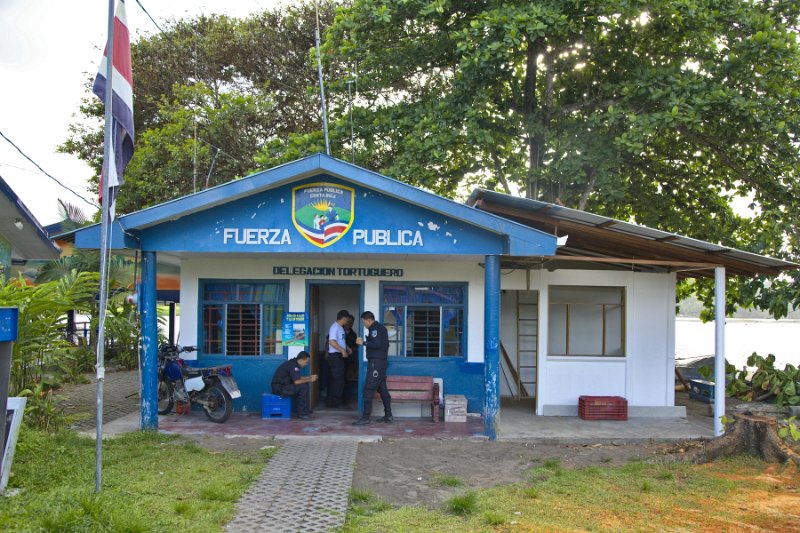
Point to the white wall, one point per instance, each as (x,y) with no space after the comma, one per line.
(453,270)
(644,376)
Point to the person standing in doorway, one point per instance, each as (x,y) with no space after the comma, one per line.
(286,381)
(338,353)
(377,344)
(351,364)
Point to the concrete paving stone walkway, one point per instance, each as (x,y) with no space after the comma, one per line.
(120,398)
(304,488)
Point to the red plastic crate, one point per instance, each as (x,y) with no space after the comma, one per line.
(603,408)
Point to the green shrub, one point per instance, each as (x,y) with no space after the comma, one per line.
(444,480)
(531,492)
(767,382)
(462,504)
(493,518)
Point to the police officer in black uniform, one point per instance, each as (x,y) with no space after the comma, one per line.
(377,345)
(286,381)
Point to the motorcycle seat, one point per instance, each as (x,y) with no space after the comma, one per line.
(192,371)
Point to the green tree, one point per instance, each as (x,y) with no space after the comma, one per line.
(41,344)
(209,93)
(656,112)
(122,340)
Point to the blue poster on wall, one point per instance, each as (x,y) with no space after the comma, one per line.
(294,329)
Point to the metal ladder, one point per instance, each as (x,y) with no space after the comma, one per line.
(527,340)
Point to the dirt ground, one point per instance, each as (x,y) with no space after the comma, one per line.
(409,471)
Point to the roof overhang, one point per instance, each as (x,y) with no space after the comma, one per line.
(21,229)
(604,243)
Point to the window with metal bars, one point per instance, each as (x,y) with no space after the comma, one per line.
(242,317)
(425,320)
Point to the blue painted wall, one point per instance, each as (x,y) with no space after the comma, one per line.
(254,374)
(263,223)
(458,376)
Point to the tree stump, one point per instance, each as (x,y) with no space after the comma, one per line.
(754,435)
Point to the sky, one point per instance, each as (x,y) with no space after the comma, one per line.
(47,50)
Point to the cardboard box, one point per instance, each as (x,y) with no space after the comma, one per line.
(455,408)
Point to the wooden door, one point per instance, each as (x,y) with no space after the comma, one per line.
(313,342)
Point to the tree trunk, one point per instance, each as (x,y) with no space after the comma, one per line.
(591,176)
(529,106)
(754,435)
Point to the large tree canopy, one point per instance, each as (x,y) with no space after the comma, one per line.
(661,112)
(658,112)
(209,93)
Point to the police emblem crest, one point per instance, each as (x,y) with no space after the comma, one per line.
(323,212)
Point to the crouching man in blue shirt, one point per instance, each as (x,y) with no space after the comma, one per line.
(286,381)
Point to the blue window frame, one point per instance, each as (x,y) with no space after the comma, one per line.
(242,317)
(425,319)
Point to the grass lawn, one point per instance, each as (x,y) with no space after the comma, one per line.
(732,495)
(151,482)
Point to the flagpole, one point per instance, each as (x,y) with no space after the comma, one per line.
(101,320)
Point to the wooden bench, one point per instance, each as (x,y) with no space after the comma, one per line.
(404,389)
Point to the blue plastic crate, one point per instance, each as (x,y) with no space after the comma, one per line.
(273,406)
(701,390)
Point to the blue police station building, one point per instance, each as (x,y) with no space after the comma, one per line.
(319,234)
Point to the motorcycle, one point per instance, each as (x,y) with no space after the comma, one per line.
(180,385)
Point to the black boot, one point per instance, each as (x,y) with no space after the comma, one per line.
(387,418)
(363,421)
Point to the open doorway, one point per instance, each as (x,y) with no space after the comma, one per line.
(325,300)
(518,349)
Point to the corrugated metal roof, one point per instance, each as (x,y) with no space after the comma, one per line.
(671,245)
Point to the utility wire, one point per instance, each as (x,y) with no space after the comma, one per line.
(151,18)
(44,172)
(223,152)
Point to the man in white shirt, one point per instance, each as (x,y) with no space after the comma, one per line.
(337,355)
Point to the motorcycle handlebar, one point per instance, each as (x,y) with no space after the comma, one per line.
(175,349)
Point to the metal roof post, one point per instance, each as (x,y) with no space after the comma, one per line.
(149,358)
(719,349)
(491,342)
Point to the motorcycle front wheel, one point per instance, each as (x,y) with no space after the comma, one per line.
(165,399)
(220,404)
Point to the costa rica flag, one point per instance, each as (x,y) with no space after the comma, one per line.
(121,103)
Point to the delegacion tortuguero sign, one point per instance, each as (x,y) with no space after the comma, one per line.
(360,272)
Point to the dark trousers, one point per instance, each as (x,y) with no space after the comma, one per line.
(376,382)
(324,373)
(300,392)
(336,384)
